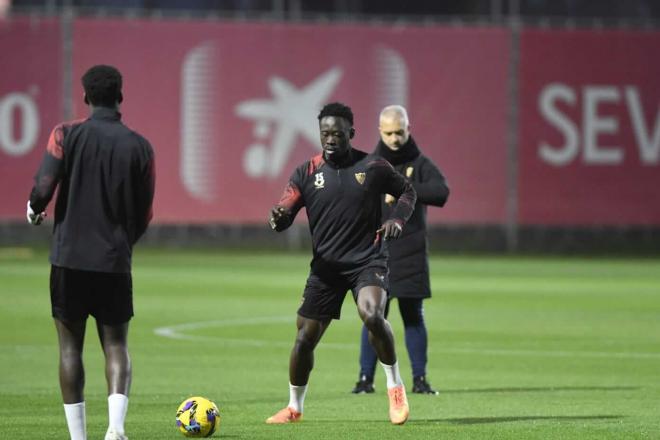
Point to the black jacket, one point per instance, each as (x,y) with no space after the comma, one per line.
(409,266)
(105,173)
(344,209)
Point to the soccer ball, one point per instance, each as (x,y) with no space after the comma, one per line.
(197,417)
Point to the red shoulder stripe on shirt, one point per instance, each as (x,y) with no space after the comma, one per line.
(55,144)
(315,163)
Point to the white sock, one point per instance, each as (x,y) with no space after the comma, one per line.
(75,420)
(117,406)
(297,397)
(392,375)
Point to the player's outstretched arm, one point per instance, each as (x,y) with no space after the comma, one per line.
(283,214)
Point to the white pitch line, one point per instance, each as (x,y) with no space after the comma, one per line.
(179,332)
(175,331)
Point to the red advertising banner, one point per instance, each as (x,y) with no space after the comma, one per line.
(231,108)
(589,128)
(30,104)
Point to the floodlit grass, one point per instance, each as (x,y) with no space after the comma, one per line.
(519,347)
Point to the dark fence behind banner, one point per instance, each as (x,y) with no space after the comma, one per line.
(550,138)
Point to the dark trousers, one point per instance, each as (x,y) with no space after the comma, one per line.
(412,313)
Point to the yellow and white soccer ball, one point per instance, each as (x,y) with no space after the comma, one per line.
(197,417)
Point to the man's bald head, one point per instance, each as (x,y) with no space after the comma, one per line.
(394,126)
(392,112)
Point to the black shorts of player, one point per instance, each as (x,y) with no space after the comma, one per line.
(76,294)
(325,293)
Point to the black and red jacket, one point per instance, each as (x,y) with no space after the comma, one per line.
(105,173)
(343,204)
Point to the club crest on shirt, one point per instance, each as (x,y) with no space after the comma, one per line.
(360,177)
(319,180)
(409,172)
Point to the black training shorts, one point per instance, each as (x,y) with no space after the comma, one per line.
(324,293)
(76,294)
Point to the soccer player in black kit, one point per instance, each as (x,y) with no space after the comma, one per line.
(105,173)
(341,191)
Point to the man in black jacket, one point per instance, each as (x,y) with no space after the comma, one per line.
(340,190)
(105,173)
(408,263)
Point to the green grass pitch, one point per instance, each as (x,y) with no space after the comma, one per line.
(520,347)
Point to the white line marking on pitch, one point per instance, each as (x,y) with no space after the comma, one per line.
(179,332)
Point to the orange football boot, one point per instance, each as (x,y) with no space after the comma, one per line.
(399,409)
(286,415)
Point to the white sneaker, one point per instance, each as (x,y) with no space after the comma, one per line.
(114,435)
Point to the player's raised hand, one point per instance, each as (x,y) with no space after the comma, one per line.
(390,199)
(32,217)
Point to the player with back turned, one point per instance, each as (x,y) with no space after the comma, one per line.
(341,190)
(105,174)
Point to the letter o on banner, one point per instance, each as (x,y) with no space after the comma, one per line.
(23,107)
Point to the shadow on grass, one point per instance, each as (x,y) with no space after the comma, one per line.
(476,420)
(484,420)
(536,389)
(278,399)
